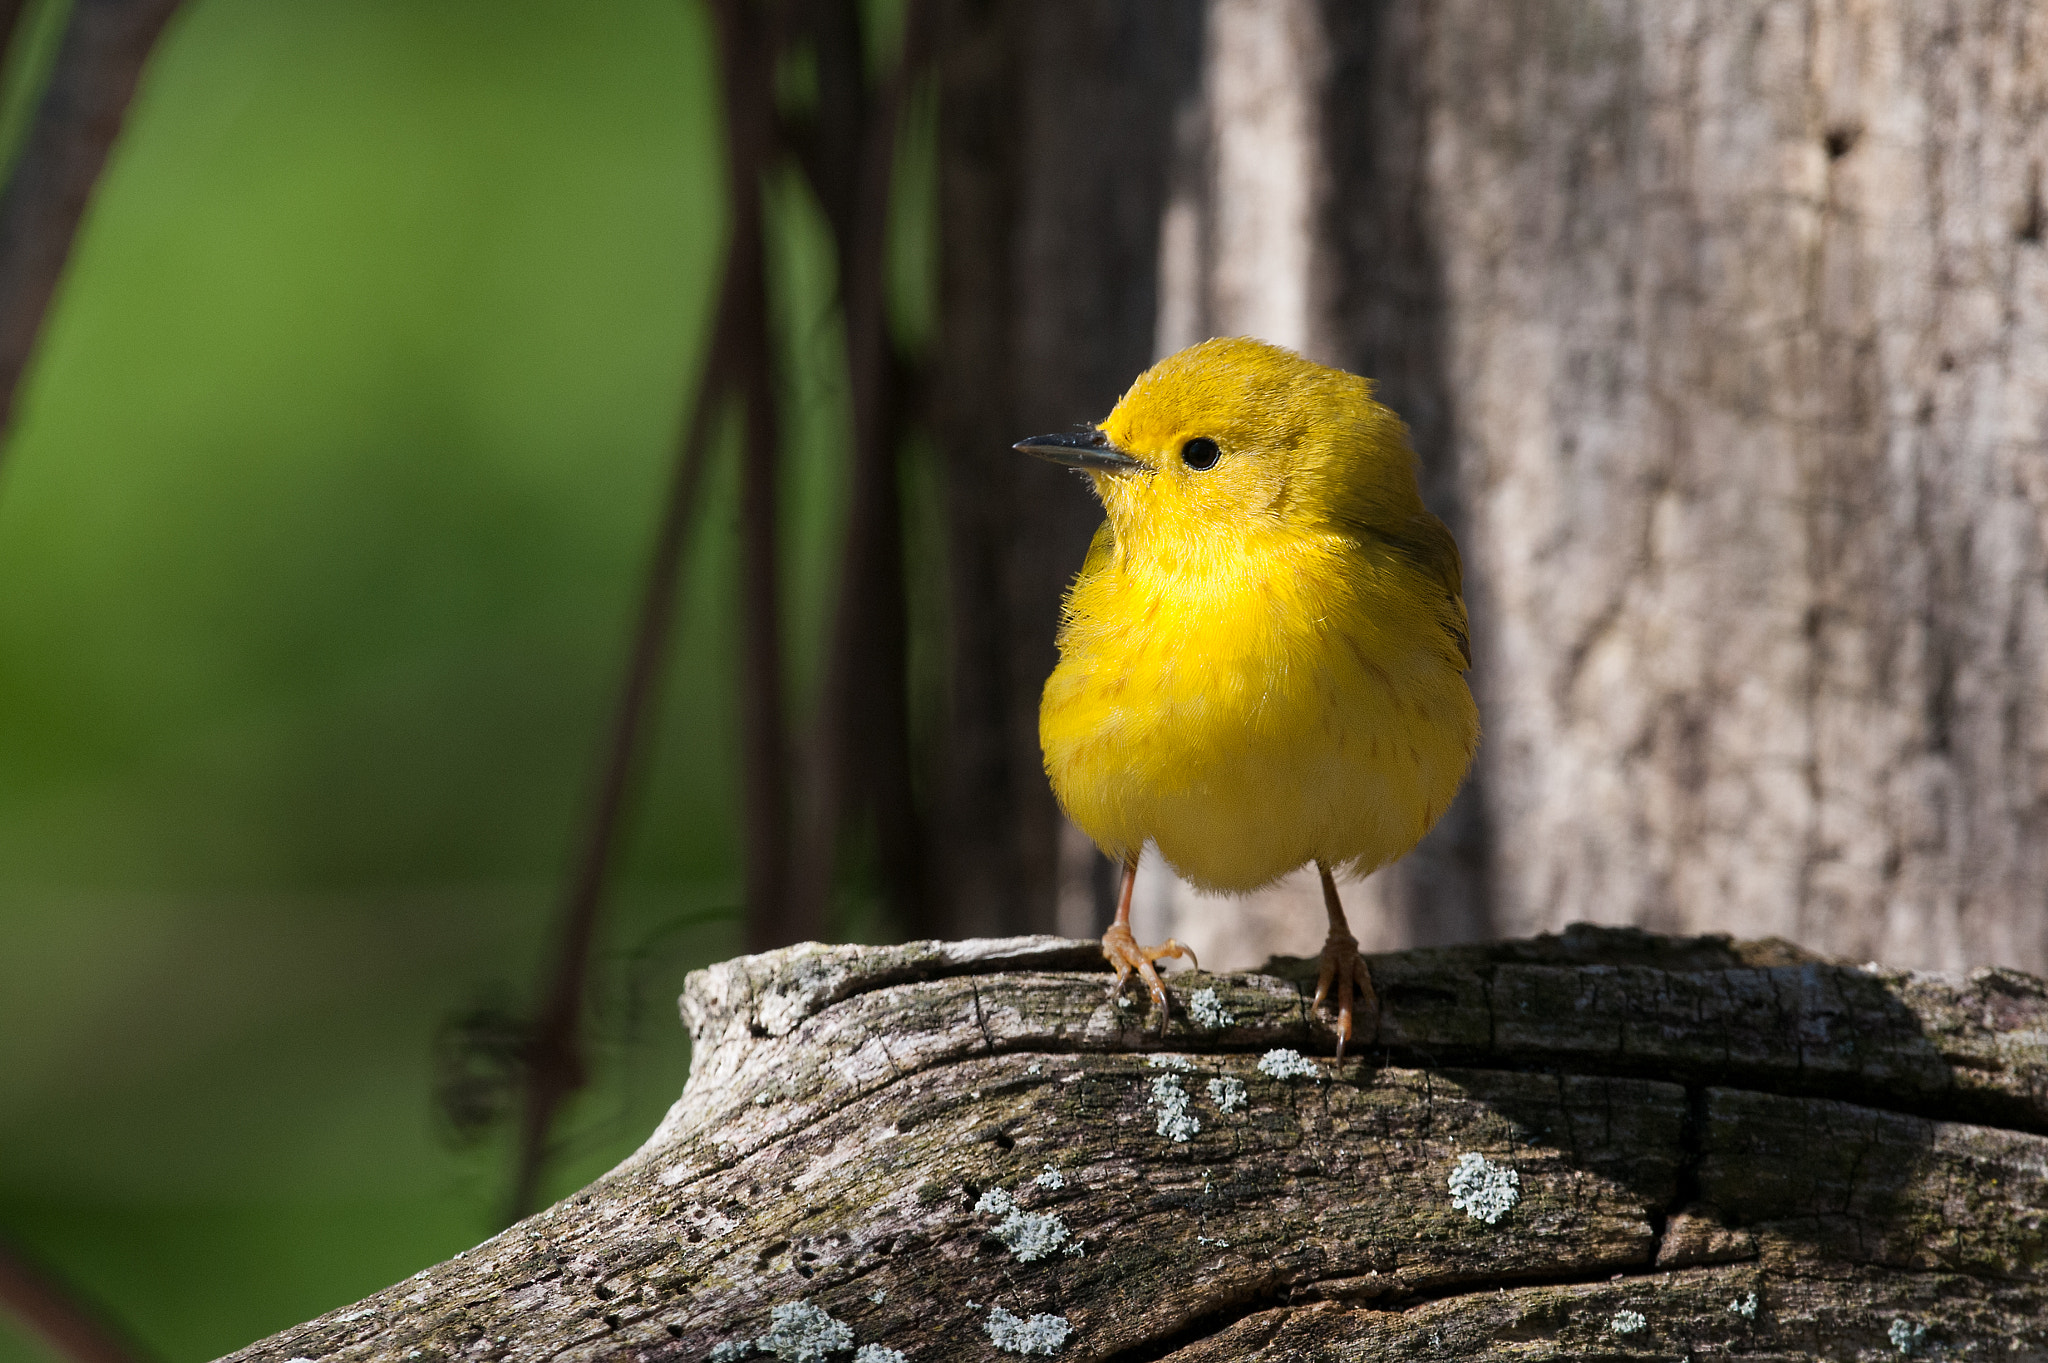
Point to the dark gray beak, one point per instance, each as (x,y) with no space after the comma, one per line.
(1088,450)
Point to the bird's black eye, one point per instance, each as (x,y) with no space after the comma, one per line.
(1200,453)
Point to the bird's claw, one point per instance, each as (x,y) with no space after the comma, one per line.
(1344,976)
(1123,952)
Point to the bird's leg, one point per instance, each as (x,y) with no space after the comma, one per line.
(1126,955)
(1344,971)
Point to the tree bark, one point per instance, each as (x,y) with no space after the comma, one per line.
(1748,313)
(1721,332)
(1602,1142)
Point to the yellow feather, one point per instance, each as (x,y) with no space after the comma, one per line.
(1261,663)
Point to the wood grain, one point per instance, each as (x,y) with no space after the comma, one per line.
(1721,1150)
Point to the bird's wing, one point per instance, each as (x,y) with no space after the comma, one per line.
(1426,543)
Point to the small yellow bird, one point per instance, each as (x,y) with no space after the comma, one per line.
(1262,660)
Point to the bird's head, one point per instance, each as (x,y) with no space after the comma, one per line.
(1233,441)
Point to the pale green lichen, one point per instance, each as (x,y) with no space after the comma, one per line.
(1906,1335)
(1284,1062)
(1483,1190)
(1052,1179)
(803,1333)
(1627,1322)
(1228,1094)
(1041,1334)
(1032,1236)
(1744,1306)
(875,1353)
(1176,1123)
(1169,1062)
(731,1351)
(1208,1010)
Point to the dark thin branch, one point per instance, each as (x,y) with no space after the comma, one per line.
(764,741)
(554,1061)
(862,738)
(56,1315)
(748,40)
(98,66)
(738,366)
(828,143)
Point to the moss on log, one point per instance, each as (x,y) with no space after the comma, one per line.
(1597,1144)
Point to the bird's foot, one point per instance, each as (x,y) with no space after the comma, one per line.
(1344,976)
(1124,953)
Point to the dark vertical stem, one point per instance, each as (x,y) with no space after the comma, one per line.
(878,688)
(81,111)
(880,746)
(747,38)
(862,743)
(764,743)
(555,1066)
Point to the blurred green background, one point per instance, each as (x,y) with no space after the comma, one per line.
(320,537)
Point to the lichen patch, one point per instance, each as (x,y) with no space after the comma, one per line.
(1284,1062)
(1040,1334)
(1208,1011)
(1176,1123)
(803,1333)
(1483,1190)
(1228,1094)
(1032,1236)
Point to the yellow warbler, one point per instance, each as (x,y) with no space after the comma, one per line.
(1262,660)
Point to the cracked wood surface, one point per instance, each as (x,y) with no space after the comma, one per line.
(1719,1150)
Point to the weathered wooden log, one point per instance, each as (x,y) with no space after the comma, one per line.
(1597,1144)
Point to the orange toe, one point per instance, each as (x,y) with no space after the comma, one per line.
(1122,951)
(1345,980)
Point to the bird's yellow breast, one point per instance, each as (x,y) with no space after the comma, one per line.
(1295,698)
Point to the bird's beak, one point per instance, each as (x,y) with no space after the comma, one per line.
(1087,450)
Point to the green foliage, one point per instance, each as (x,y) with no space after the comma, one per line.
(321,536)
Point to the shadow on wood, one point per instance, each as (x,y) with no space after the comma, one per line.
(1659,1147)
